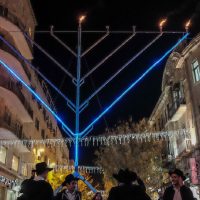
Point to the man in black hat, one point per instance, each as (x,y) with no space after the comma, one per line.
(136,180)
(125,189)
(70,193)
(178,191)
(38,188)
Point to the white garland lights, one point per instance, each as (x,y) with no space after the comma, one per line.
(105,140)
(81,168)
(86,169)
(8,182)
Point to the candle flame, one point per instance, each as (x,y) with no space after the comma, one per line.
(188,23)
(162,22)
(81,18)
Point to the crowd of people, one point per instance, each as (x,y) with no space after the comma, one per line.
(130,187)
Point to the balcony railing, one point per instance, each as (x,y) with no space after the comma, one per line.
(16,89)
(175,106)
(184,148)
(23,64)
(4,12)
(15,126)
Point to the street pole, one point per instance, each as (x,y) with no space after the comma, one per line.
(77,82)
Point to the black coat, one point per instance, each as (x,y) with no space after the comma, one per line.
(36,190)
(186,193)
(128,192)
(63,196)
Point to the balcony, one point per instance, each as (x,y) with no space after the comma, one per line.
(177,109)
(183,149)
(15,87)
(12,129)
(5,13)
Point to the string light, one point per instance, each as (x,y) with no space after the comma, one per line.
(71,168)
(104,140)
(8,182)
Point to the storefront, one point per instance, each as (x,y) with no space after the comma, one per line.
(2,191)
(9,188)
(11,194)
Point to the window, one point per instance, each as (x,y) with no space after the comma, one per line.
(37,123)
(43,134)
(24,169)
(2,193)
(39,105)
(3,152)
(7,116)
(15,163)
(11,194)
(196,71)
(30,31)
(44,113)
(1,42)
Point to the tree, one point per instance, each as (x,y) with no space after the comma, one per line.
(142,157)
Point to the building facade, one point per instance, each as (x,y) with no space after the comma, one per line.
(21,116)
(179,108)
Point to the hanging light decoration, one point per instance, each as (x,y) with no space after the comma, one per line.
(100,140)
(81,168)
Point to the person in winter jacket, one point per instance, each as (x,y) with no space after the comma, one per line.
(70,193)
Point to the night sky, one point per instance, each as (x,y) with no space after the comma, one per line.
(119,15)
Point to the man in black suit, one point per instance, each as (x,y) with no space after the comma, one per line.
(125,189)
(37,188)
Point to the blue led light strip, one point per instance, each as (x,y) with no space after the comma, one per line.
(133,84)
(13,73)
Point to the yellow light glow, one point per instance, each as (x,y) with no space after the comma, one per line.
(162,22)
(188,24)
(53,164)
(81,18)
(39,151)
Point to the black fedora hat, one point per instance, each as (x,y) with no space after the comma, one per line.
(119,176)
(177,172)
(41,167)
(123,176)
(132,175)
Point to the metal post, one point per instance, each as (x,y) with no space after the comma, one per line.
(78,77)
